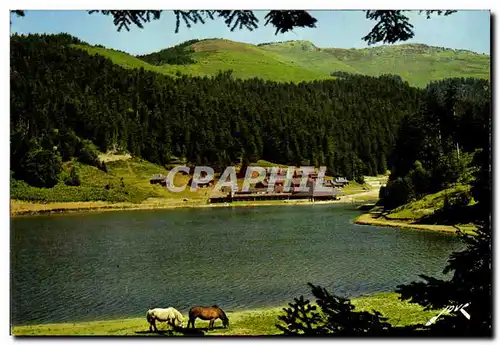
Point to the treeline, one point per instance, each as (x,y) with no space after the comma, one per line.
(436,145)
(347,125)
(176,55)
(64,101)
(272,43)
(343,74)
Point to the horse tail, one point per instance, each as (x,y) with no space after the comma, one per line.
(149,316)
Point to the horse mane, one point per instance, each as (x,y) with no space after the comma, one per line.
(222,312)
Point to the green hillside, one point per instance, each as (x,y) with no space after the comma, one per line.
(211,56)
(302,61)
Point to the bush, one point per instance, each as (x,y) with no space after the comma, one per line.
(382,193)
(72,179)
(360,180)
(102,166)
(40,167)
(87,153)
(420,179)
(447,170)
(68,144)
(398,192)
(337,317)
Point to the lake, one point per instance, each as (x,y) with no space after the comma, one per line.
(107,265)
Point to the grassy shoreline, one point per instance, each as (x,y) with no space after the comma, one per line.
(242,323)
(374,219)
(24,208)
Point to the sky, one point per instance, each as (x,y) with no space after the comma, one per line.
(466,29)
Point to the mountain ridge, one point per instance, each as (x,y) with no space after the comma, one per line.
(300,60)
(307,42)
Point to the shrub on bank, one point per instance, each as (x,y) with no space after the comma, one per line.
(61,192)
(71,178)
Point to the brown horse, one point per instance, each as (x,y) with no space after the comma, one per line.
(208,313)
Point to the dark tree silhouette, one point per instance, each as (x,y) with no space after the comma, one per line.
(19,13)
(470,284)
(392,26)
(333,316)
(472,275)
(285,21)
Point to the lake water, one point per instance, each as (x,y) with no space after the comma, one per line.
(109,265)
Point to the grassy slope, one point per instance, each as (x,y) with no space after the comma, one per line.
(135,173)
(418,64)
(245,60)
(354,188)
(410,214)
(415,210)
(253,322)
(137,192)
(301,61)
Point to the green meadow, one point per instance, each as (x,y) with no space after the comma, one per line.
(250,322)
(298,61)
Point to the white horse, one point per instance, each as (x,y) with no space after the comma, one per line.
(170,315)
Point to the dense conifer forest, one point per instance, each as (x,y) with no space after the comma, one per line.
(442,144)
(64,101)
